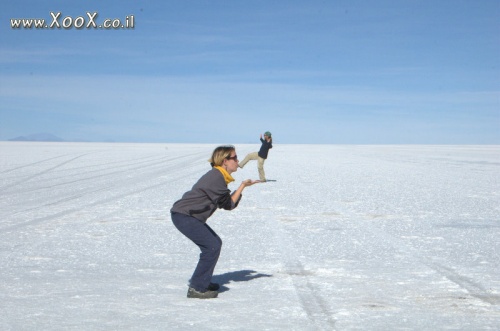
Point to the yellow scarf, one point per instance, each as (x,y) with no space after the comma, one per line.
(227,177)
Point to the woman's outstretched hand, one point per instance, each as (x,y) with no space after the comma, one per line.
(250,182)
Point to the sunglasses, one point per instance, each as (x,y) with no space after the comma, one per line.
(234,158)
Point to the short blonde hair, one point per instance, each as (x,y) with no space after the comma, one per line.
(219,154)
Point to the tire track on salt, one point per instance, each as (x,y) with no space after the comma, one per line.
(31,164)
(40,173)
(139,165)
(309,296)
(114,197)
(471,286)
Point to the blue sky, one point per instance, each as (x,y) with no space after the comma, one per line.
(335,72)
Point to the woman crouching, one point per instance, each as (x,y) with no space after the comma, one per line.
(190,214)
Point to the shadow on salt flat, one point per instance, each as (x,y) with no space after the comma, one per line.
(236,276)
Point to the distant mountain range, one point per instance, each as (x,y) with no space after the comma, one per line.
(37,137)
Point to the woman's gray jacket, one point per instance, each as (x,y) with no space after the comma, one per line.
(208,194)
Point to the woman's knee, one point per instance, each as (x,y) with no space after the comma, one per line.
(214,247)
(211,252)
(218,245)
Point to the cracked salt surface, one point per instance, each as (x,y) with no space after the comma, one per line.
(348,237)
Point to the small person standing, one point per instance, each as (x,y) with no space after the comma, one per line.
(261,155)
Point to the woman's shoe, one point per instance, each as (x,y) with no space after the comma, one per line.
(213,287)
(192,293)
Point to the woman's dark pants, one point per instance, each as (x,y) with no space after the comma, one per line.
(209,243)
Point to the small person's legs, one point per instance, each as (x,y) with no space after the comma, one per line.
(250,156)
(260,167)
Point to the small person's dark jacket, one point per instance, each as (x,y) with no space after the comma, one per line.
(264,149)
